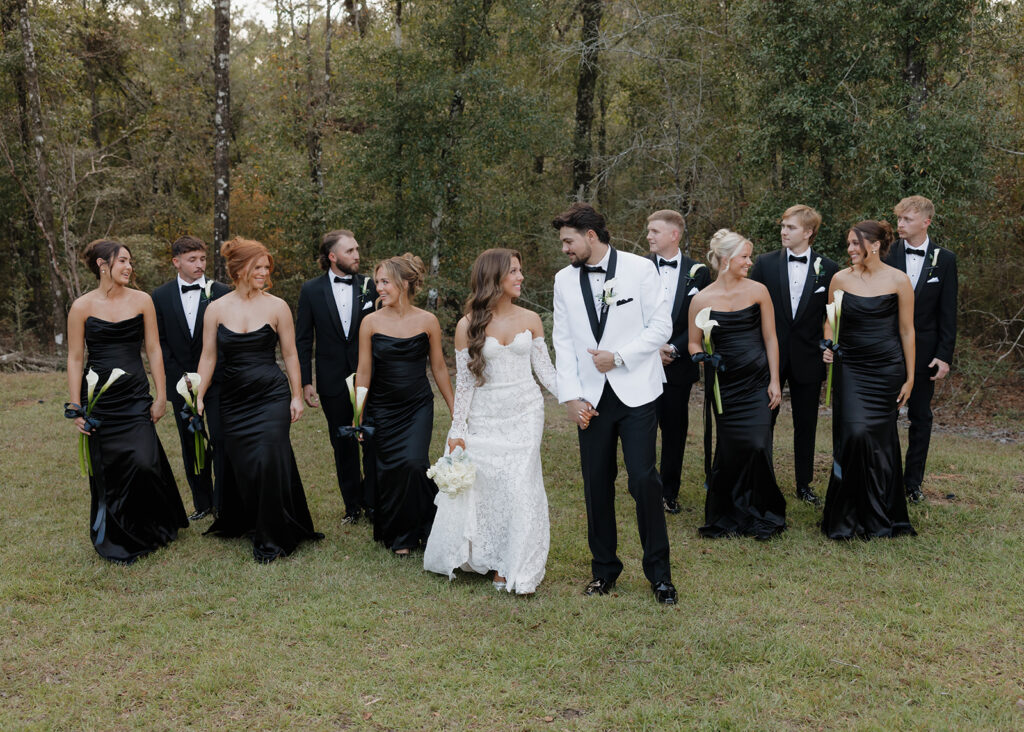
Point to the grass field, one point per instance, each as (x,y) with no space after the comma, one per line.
(796,633)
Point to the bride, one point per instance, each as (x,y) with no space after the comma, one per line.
(501,522)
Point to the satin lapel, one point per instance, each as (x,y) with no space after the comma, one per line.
(609,275)
(681,286)
(899,260)
(179,312)
(808,290)
(357,311)
(588,302)
(924,267)
(784,284)
(197,332)
(332,306)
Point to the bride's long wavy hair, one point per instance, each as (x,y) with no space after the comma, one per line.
(489,269)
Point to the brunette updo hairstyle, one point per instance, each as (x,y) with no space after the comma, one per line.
(105,249)
(408,268)
(869,231)
(723,247)
(240,256)
(489,269)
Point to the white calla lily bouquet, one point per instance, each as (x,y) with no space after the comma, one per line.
(706,324)
(188,387)
(833,312)
(72,411)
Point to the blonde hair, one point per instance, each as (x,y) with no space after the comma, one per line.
(807,216)
(669,217)
(408,268)
(723,247)
(240,256)
(920,204)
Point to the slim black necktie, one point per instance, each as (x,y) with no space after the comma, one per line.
(666,263)
(345,280)
(802,259)
(190,288)
(915,252)
(597,268)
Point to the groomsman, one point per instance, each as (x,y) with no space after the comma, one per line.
(610,321)
(797,278)
(933,275)
(681,279)
(331,308)
(180,305)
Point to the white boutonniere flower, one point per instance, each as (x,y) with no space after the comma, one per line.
(609,296)
(817,266)
(208,289)
(935,257)
(694,270)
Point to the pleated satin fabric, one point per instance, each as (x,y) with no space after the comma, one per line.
(262,497)
(865,492)
(135,506)
(743,497)
(400,407)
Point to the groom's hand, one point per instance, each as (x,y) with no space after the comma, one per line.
(580,411)
(309,394)
(603,360)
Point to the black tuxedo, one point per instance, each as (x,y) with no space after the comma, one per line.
(337,356)
(181,351)
(674,402)
(935,306)
(800,363)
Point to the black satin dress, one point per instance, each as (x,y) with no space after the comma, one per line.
(400,407)
(743,497)
(135,507)
(262,497)
(865,493)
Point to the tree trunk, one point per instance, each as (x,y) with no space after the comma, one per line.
(222,131)
(586,83)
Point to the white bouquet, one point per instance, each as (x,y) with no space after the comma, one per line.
(453,473)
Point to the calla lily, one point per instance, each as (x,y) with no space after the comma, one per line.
(208,289)
(837,298)
(706,324)
(114,376)
(187,386)
(694,270)
(935,257)
(830,315)
(91,379)
(361,392)
(817,266)
(833,313)
(350,382)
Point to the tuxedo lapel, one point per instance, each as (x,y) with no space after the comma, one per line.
(805,295)
(608,277)
(923,277)
(784,284)
(899,258)
(332,306)
(588,302)
(357,308)
(682,286)
(197,332)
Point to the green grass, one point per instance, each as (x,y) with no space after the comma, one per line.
(796,633)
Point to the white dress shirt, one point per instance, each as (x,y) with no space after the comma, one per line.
(190,301)
(343,299)
(797,277)
(915,265)
(597,280)
(670,277)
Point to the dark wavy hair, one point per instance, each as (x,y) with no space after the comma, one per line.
(583,218)
(879,231)
(105,249)
(489,269)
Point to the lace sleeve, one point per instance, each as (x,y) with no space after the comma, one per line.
(465,385)
(543,367)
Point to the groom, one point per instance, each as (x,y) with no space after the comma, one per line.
(610,322)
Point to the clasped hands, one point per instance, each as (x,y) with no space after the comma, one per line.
(581,412)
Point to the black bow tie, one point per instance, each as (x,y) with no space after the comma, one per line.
(345,280)
(802,260)
(190,288)
(666,263)
(915,252)
(597,268)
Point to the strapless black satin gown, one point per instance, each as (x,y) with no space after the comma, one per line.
(743,497)
(865,493)
(262,496)
(400,406)
(135,507)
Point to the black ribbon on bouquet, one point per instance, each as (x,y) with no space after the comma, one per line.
(712,363)
(712,359)
(352,431)
(74,411)
(827,345)
(193,422)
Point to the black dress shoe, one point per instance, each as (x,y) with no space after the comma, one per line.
(199,515)
(670,505)
(914,495)
(807,495)
(664,592)
(598,587)
(350,518)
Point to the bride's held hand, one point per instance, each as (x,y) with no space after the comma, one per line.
(458,442)
(774,395)
(581,412)
(296,408)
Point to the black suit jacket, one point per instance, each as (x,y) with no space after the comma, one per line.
(683,370)
(934,303)
(317,321)
(181,350)
(799,336)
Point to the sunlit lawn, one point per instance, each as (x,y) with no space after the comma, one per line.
(798,632)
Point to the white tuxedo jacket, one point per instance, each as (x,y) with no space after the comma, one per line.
(637,324)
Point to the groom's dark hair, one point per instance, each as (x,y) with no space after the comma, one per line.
(583,218)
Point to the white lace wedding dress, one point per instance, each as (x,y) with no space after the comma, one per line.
(501,522)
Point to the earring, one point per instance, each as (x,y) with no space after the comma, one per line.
(726,267)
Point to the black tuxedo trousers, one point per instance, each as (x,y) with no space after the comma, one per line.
(637,428)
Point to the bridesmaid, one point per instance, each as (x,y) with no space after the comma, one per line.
(262,497)
(395,344)
(873,378)
(135,506)
(742,495)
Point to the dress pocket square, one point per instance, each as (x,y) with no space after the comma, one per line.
(367,305)
(933,279)
(820,289)
(623,302)
(693,291)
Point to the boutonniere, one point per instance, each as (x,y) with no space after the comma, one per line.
(362,289)
(817,270)
(208,290)
(693,272)
(935,260)
(609,296)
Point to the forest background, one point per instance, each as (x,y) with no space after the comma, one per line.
(446,127)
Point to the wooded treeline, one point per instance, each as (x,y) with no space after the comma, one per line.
(447,126)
